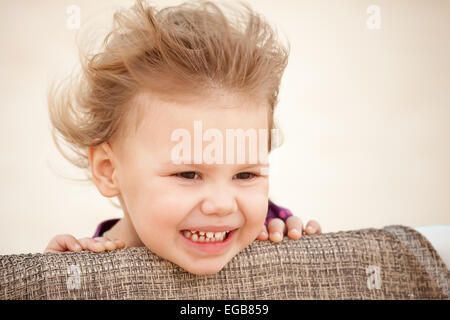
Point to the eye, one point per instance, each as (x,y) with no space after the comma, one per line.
(245,175)
(187,175)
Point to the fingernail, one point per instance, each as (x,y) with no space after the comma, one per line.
(276,235)
(263,233)
(77,247)
(295,232)
(310,229)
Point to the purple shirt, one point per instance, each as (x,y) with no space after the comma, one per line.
(273,211)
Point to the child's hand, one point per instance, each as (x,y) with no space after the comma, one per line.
(66,242)
(277,229)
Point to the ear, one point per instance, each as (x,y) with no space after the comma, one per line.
(104,173)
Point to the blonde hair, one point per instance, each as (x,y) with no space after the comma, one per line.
(186,48)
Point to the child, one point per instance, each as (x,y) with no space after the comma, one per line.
(160,76)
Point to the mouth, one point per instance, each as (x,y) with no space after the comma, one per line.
(206,243)
(206,236)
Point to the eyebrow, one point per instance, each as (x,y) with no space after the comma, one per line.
(205,165)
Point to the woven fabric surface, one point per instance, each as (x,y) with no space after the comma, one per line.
(395,262)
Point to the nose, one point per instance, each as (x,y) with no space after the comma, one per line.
(219,203)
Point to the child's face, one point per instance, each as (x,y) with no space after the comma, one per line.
(162,205)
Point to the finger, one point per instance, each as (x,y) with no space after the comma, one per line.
(276,229)
(294,227)
(62,243)
(109,245)
(119,243)
(263,235)
(116,243)
(92,245)
(313,227)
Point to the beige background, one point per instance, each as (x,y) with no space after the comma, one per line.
(365,112)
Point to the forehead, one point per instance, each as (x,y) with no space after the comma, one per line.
(156,119)
(159,116)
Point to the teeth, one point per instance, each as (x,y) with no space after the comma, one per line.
(202,236)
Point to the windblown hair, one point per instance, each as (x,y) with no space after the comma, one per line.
(187,48)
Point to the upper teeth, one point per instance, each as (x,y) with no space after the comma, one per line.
(202,235)
(210,234)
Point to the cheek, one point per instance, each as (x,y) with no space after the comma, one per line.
(260,214)
(155,207)
(258,202)
(157,210)
(254,207)
(156,224)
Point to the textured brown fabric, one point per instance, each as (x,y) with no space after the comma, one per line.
(395,262)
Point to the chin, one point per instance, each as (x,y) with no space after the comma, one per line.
(203,270)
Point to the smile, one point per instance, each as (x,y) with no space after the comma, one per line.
(202,236)
(206,242)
